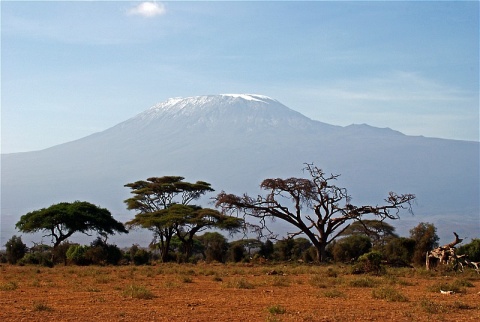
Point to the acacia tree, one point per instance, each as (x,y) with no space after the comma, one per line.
(163,207)
(378,231)
(316,207)
(62,220)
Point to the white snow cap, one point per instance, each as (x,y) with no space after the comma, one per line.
(250,97)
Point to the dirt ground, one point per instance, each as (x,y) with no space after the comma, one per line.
(216,292)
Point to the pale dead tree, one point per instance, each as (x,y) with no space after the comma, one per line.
(316,207)
(447,255)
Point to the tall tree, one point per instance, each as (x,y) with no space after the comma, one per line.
(318,208)
(62,220)
(162,205)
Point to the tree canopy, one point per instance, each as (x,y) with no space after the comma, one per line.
(62,220)
(316,207)
(162,205)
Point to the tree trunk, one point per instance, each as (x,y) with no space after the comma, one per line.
(321,252)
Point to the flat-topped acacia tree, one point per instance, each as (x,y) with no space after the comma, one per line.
(62,220)
(163,206)
(316,207)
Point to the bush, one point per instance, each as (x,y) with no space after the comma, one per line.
(141,257)
(472,250)
(399,251)
(101,253)
(43,259)
(76,254)
(369,263)
(16,249)
(351,247)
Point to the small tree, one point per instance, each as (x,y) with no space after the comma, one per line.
(426,239)
(318,208)
(16,249)
(162,206)
(62,220)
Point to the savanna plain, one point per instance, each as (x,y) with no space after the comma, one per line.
(235,292)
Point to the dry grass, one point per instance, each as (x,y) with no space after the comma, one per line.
(233,292)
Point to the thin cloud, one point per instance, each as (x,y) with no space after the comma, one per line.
(148,10)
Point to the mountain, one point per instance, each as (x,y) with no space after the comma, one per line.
(234,141)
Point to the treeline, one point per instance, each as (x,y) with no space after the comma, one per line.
(360,242)
(326,226)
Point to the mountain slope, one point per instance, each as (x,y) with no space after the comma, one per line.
(235,141)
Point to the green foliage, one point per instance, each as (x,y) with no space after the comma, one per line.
(399,251)
(266,249)
(76,254)
(351,247)
(379,232)
(62,220)
(162,205)
(426,239)
(16,249)
(215,246)
(237,252)
(472,250)
(101,253)
(369,263)
(292,249)
(39,255)
(139,256)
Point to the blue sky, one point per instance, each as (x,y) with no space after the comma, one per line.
(69,69)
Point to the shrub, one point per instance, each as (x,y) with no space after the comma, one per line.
(76,254)
(472,250)
(363,282)
(351,247)
(16,249)
(141,257)
(43,259)
(369,263)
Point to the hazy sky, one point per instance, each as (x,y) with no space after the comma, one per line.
(69,69)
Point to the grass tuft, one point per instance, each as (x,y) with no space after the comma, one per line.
(41,307)
(138,292)
(276,309)
(8,286)
(389,294)
(363,282)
